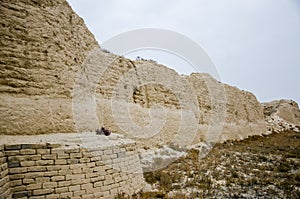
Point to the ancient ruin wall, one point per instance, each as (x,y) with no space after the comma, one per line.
(43,44)
(239,112)
(49,170)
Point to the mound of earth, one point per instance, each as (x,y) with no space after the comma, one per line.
(282,115)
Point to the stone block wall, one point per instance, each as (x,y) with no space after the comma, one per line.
(44,171)
(4,177)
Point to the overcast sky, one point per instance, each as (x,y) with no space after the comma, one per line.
(255,44)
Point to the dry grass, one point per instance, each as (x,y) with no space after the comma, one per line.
(260,166)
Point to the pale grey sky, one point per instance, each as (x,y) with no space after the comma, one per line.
(255,44)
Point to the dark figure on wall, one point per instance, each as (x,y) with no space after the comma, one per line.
(103,131)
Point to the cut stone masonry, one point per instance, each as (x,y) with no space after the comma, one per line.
(82,170)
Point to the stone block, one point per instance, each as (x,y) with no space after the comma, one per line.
(52,196)
(17,170)
(72,150)
(34,175)
(34,186)
(54,167)
(12,153)
(64,172)
(91,175)
(108,182)
(37,197)
(17,176)
(44,162)
(50,173)
(87,170)
(57,151)
(34,157)
(14,183)
(38,192)
(60,162)
(21,194)
(19,158)
(77,166)
(13,164)
(28,181)
(33,146)
(98,184)
(27,163)
(79,193)
(84,160)
(95,158)
(12,146)
(64,183)
(75,155)
(98,178)
(93,190)
(87,155)
(66,195)
(72,161)
(86,186)
(99,169)
(77,171)
(58,178)
(49,156)
(88,196)
(80,181)
(91,164)
(61,189)
(36,168)
(75,176)
(27,151)
(43,151)
(18,188)
(74,188)
(42,179)
(47,185)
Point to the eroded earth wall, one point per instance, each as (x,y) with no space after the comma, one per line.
(43,44)
(44,47)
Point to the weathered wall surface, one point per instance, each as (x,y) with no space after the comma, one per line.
(238,112)
(43,44)
(43,48)
(82,170)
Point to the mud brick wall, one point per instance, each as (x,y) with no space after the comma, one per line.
(47,171)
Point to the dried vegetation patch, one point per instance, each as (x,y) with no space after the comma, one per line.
(257,167)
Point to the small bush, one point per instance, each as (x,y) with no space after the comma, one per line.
(105,50)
